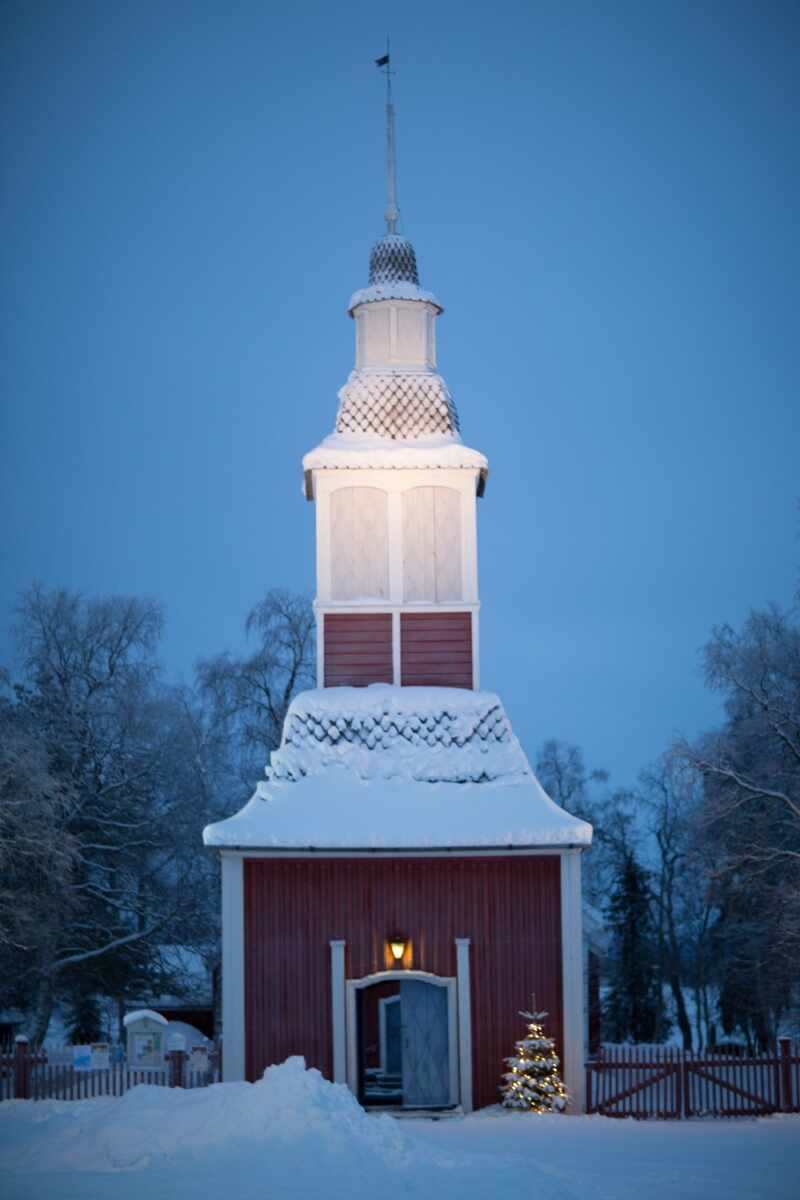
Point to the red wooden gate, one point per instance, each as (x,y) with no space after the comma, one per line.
(663,1081)
(622,1082)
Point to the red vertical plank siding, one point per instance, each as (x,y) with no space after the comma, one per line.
(357,649)
(436,649)
(508,905)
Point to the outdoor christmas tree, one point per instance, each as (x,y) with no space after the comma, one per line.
(533,1083)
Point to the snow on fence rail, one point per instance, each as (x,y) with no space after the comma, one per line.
(667,1082)
(28,1075)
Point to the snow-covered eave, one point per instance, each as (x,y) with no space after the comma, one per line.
(399,290)
(340,452)
(383,851)
(279,819)
(395,770)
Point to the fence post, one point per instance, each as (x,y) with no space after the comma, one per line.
(686,1100)
(177,1067)
(785,1048)
(22,1069)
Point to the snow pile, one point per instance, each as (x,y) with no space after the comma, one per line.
(291,1113)
(432,735)
(191,1035)
(305,1141)
(142,1014)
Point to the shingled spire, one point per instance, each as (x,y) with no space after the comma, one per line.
(395,410)
(391,212)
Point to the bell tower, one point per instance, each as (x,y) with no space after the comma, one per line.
(395,488)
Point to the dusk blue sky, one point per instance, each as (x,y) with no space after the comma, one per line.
(603,196)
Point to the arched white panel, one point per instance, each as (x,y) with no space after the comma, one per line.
(359,544)
(411,336)
(432,545)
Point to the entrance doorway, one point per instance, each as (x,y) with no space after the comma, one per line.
(405,1052)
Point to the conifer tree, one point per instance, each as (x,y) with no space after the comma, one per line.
(633,1008)
(533,1083)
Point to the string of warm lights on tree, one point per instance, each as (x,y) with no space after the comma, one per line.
(533,1082)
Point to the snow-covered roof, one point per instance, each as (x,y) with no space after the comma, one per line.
(397,290)
(344,451)
(393,274)
(396,404)
(398,768)
(144,1013)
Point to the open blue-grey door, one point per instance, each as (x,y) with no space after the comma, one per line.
(426,1050)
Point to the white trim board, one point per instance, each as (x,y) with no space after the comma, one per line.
(337,1010)
(233,1019)
(572,979)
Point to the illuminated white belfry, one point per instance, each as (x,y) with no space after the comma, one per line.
(395,487)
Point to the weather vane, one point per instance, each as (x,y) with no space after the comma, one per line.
(391,212)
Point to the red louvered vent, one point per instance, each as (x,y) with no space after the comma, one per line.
(358,649)
(436,649)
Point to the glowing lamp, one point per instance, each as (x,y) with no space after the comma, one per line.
(397,947)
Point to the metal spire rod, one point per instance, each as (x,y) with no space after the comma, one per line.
(391,212)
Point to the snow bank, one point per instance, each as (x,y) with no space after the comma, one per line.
(291,1111)
(295,1137)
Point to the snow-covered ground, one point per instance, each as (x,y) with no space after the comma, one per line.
(295,1135)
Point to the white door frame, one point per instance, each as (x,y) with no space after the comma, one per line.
(450,983)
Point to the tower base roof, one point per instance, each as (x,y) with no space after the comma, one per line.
(384,768)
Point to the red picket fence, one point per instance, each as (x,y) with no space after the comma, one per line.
(27,1075)
(666,1082)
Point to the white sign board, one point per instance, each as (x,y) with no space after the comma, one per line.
(82,1058)
(146,1049)
(101,1056)
(198,1060)
(94,1057)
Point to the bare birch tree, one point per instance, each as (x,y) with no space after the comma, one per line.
(250,695)
(751,785)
